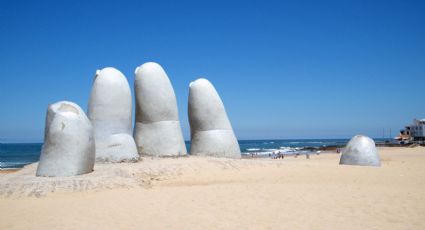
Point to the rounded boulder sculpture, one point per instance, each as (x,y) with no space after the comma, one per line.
(157,129)
(110,111)
(210,128)
(360,150)
(69,146)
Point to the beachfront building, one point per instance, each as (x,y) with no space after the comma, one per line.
(412,133)
(404,136)
(417,130)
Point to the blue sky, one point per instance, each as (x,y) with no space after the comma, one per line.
(284,69)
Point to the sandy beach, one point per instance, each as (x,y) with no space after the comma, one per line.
(214,193)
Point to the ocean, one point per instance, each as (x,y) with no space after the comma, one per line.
(17,155)
(288,147)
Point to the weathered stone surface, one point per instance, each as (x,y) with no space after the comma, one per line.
(211,131)
(110,111)
(360,150)
(69,146)
(157,129)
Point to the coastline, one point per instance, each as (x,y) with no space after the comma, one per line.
(211,193)
(16,155)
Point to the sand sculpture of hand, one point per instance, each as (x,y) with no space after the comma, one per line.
(110,112)
(360,150)
(210,128)
(157,129)
(69,145)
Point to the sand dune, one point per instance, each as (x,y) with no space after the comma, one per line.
(214,193)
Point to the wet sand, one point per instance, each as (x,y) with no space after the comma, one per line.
(7,171)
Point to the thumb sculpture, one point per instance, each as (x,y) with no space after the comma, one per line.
(211,131)
(157,129)
(360,150)
(69,146)
(110,111)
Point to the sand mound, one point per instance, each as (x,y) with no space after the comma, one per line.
(119,175)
